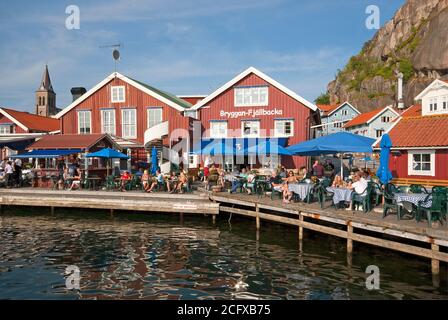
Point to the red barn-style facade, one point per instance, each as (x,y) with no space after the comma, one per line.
(136,115)
(253,105)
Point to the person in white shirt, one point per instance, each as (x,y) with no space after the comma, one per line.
(359,185)
(8,174)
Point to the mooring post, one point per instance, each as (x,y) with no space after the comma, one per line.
(435,264)
(214,219)
(111,213)
(52,211)
(257,218)
(300,227)
(181,218)
(349,237)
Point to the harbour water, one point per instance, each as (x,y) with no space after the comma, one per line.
(139,256)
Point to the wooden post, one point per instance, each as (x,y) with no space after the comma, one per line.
(181,218)
(435,264)
(111,213)
(300,227)
(52,211)
(257,218)
(257,237)
(214,219)
(349,235)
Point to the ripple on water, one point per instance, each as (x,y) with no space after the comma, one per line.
(154,257)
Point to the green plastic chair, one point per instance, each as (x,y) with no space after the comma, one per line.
(324,195)
(364,200)
(417,188)
(438,209)
(390,203)
(110,183)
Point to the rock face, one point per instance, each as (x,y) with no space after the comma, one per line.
(414,42)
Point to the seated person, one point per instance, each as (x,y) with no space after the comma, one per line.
(250,184)
(238,183)
(125,178)
(338,182)
(76,183)
(221,178)
(63,179)
(183,180)
(145,180)
(304,174)
(159,181)
(287,195)
(359,185)
(171,182)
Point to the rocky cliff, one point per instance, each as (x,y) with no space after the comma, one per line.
(414,42)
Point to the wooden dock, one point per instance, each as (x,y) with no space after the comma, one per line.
(405,236)
(128,201)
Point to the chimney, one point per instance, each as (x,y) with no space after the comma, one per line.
(77,92)
(400,91)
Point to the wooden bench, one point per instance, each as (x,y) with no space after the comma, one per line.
(423,182)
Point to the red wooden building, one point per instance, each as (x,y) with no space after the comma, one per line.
(420,138)
(19,129)
(254,106)
(136,115)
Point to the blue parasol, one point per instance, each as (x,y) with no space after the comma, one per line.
(383,172)
(154,161)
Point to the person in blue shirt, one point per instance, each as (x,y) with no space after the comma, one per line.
(159,181)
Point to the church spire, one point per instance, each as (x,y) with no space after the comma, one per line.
(45,84)
(45,96)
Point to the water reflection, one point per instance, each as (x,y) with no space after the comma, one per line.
(157,257)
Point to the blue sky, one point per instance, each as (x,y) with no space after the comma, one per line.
(181,46)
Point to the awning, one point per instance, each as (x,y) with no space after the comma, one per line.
(47,154)
(341,142)
(233,146)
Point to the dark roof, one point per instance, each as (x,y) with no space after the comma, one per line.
(45,83)
(165,94)
(69,141)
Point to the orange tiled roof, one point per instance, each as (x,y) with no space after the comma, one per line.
(412,111)
(33,121)
(327,107)
(421,131)
(67,141)
(363,118)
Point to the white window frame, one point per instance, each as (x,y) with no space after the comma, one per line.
(192,114)
(433,104)
(379,130)
(244,135)
(154,123)
(89,112)
(193,160)
(115,94)
(413,172)
(444,103)
(6,127)
(216,134)
(112,125)
(124,126)
(385,119)
(244,96)
(279,134)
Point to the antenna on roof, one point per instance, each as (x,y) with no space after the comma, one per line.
(115,52)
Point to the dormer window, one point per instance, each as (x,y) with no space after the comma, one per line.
(433,104)
(117,94)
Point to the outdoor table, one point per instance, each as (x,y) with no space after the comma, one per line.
(340,194)
(301,189)
(413,198)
